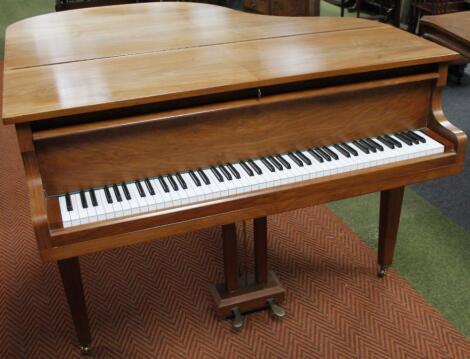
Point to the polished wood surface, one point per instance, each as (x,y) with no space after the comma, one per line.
(449,30)
(456,24)
(95,33)
(260,234)
(229,247)
(71,278)
(390,209)
(235,132)
(258,86)
(54,85)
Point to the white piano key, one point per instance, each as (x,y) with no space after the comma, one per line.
(100,211)
(91,210)
(66,221)
(82,213)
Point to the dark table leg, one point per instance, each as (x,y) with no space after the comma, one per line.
(72,281)
(390,209)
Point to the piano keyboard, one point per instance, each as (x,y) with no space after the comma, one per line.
(218,181)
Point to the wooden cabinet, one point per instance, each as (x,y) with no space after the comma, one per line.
(283,7)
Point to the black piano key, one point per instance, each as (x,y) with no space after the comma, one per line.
(387,143)
(140,189)
(127,194)
(359,145)
(283,161)
(294,158)
(246,168)
(233,170)
(181,181)
(394,141)
(378,146)
(411,138)
(330,153)
(68,202)
(404,139)
(94,201)
(173,183)
(350,149)
(108,194)
(149,187)
(304,158)
(163,184)
(205,179)
(194,178)
(276,163)
(117,193)
(322,153)
(368,145)
(315,155)
(416,136)
(342,150)
(83,199)
(217,174)
(268,164)
(225,172)
(257,169)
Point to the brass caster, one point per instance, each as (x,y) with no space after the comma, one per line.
(237,321)
(85,350)
(276,310)
(382,271)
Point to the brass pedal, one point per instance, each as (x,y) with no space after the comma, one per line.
(276,310)
(237,321)
(85,350)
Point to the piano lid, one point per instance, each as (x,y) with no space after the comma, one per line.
(111,57)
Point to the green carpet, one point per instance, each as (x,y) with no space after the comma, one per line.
(432,253)
(14,10)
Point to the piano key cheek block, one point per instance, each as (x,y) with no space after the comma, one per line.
(192,146)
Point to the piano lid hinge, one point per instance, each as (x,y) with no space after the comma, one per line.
(259,93)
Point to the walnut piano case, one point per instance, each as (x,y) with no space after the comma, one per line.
(89,115)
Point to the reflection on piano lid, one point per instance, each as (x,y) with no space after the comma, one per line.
(223,180)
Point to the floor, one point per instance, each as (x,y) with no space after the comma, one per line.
(433,251)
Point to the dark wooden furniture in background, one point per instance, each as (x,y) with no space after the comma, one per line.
(182,95)
(452,31)
(419,8)
(62,5)
(388,11)
(449,30)
(283,7)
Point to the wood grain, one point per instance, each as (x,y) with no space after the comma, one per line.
(95,33)
(136,229)
(202,139)
(109,83)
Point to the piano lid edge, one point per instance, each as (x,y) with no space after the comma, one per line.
(10,118)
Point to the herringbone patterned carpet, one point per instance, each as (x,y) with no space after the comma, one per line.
(152,301)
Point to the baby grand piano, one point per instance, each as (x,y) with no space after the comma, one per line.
(137,122)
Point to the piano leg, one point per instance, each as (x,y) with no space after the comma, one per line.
(72,281)
(390,209)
